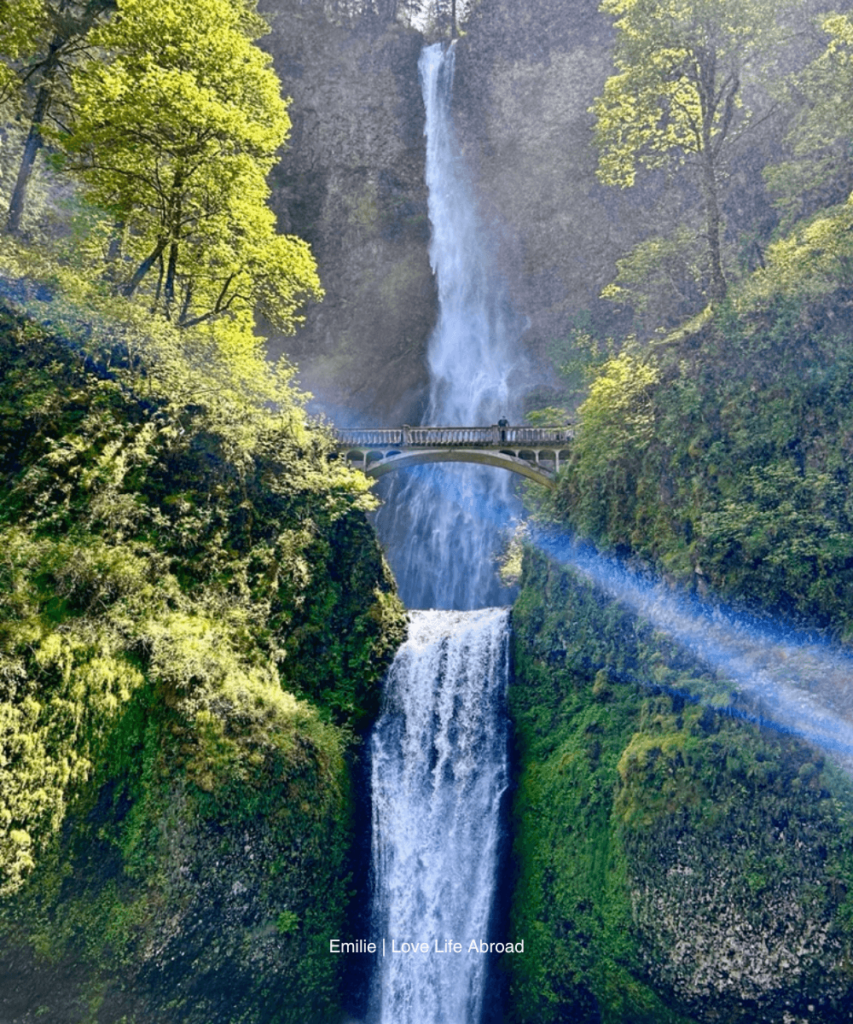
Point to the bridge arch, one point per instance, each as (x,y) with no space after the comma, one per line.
(532,452)
(499,459)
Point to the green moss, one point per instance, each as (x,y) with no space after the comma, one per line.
(194,618)
(658,842)
(716,455)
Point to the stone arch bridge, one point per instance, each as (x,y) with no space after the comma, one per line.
(533,452)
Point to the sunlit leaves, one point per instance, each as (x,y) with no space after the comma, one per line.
(821,172)
(21,22)
(679,64)
(677,93)
(815,258)
(193,541)
(177,124)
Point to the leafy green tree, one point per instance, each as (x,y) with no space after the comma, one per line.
(177,123)
(677,95)
(20,21)
(820,172)
(661,278)
(40,43)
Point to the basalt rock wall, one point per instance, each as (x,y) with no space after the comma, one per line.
(351,182)
(526,76)
(673,864)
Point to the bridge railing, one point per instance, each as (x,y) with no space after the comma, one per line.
(368,438)
(426,437)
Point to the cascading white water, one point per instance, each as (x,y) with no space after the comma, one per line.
(442,526)
(439,769)
(439,752)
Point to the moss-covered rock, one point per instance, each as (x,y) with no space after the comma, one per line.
(201,881)
(194,617)
(672,863)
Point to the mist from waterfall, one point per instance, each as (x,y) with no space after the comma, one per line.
(439,767)
(442,549)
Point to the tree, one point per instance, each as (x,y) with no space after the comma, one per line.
(20,21)
(177,123)
(821,171)
(677,95)
(40,42)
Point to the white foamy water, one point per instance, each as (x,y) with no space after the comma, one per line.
(442,525)
(439,768)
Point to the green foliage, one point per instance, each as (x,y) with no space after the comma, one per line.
(208,549)
(814,259)
(661,278)
(612,444)
(678,93)
(176,125)
(717,455)
(200,871)
(646,826)
(681,67)
(169,117)
(820,172)
(20,22)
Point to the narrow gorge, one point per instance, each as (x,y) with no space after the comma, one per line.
(279,746)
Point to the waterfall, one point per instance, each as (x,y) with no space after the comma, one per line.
(439,769)
(443,526)
(438,753)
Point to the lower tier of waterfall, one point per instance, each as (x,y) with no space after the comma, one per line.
(439,770)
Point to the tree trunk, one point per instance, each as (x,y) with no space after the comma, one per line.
(143,269)
(714,228)
(714,132)
(67,32)
(158,291)
(115,251)
(171,274)
(174,220)
(33,144)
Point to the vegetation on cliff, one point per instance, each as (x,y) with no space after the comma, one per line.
(194,612)
(718,451)
(721,454)
(672,863)
(195,615)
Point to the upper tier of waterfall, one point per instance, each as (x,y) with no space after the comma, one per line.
(443,526)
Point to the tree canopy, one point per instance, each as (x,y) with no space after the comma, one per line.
(677,94)
(40,42)
(820,171)
(177,123)
(20,21)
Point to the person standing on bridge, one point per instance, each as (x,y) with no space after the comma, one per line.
(503,424)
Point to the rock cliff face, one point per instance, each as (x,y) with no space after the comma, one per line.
(672,864)
(352,183)
(526,78)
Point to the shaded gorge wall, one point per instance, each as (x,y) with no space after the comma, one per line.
(351,182)
(671,863)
